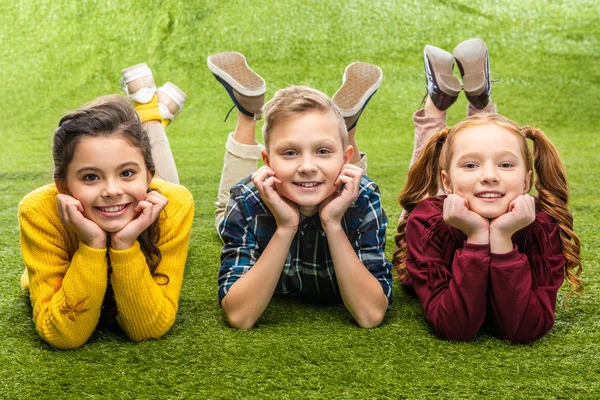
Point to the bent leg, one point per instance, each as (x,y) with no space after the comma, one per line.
(490,108)
(161,152)
(427,121)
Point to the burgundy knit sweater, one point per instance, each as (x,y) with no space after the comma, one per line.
(462,285)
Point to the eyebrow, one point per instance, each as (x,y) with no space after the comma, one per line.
(120,166)
(319,143)
(477,155)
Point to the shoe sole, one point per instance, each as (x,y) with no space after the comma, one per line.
(471,58)
(233,69)
(360,81)
(441,62)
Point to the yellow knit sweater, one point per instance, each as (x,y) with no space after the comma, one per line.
(67,279)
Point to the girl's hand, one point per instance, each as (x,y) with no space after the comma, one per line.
(521,212)
(149,209)
(285,212)
(332,209)
(457,213)
(70,214)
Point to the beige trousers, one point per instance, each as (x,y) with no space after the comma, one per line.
(161,153)
(241,160)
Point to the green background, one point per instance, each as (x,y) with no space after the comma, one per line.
(57,55)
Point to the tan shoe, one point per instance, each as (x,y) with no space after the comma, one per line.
(245,87)
(359,83)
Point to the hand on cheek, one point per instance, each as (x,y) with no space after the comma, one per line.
(70,214)
(521,212)
(333,208)
(285,212)
(456,212)
(149,210)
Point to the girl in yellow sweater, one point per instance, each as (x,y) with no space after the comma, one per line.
(108,239)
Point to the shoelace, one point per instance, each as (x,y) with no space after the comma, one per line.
(227,116)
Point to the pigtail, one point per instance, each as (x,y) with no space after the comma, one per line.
(422,181)
(553,197)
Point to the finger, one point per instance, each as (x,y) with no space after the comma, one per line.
(142,205)
(353,167)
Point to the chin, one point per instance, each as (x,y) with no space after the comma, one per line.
(491,214)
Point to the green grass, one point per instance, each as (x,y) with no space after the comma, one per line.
(57,55)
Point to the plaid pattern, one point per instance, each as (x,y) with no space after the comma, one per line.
(308,271)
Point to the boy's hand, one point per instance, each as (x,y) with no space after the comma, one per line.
(285,212)
(70,214)
(521,212)
(149,209)
(332,209)
(457,213)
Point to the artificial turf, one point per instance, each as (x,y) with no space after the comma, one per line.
(58,54)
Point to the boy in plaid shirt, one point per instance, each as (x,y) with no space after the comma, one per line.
(308,223)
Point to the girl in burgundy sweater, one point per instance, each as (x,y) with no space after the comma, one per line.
(485,251)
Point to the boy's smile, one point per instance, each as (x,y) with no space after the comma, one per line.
(109,177)
(487,168)
(307,155)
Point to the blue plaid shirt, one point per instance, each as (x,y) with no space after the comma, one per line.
(308,271)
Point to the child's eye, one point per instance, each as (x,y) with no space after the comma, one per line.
(127,173)
(289,153)
(90,177)
(323,151)
(470,165)
(506,165)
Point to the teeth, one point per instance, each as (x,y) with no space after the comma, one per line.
(112,209)
(307,184)
(489,195)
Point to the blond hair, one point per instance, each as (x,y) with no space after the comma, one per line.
(550,182)
(295,100)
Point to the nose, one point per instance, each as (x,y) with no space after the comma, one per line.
(489,173)
(307,165)
(112,189)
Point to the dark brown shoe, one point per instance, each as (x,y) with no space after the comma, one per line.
(474,64)
(442,87)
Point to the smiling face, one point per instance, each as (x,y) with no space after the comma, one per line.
(486,168)
(307,155)
(109,177)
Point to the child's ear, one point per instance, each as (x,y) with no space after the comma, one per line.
(348,154)
(446,182)
(61,186)
(527,183)
(265,157)
(148,179)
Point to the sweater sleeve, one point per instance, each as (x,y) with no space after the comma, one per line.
(147,304)
(525,281)
(66,288)
(450,281)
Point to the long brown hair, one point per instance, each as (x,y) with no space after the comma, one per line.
(107,116)
(424,179)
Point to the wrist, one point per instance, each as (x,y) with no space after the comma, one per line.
(332,227)
(286,230)
(500,243)
(96,243)
(479,237)
(120,245)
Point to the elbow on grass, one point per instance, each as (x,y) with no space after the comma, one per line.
(370,320)
(239,320)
